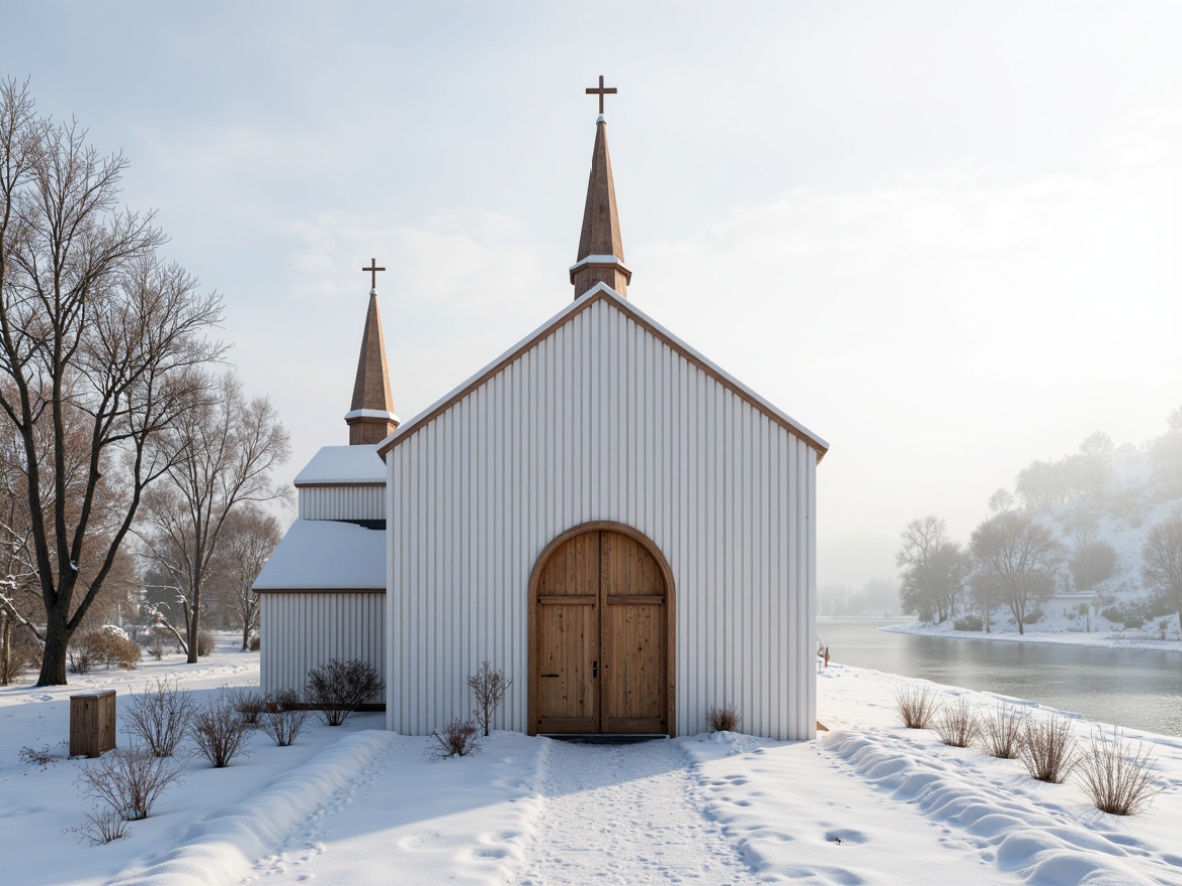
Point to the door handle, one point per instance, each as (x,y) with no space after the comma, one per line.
(595,670)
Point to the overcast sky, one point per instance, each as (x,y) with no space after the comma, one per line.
(944,236)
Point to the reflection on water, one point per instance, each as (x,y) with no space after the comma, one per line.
(1139,688)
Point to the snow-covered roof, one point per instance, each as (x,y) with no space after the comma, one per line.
(327,554)
(343,464)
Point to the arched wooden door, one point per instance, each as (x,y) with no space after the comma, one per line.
(600,643)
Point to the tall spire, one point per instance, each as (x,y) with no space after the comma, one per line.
(601,249)
(371,416)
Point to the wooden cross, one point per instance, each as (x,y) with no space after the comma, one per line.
(601,92)
(373,273)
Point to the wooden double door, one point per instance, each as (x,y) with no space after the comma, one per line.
(600,643)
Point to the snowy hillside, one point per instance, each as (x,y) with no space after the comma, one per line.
(1100,594)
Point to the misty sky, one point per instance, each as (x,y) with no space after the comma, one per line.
(944,236)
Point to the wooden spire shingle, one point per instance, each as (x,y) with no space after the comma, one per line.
(601,249)
(371,415)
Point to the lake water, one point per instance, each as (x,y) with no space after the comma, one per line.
(1139,688)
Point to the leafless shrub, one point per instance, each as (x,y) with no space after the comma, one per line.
(916,705)
(283,719)
(489,686)
(957,724)
(1001,734)
(43,757)
(219,731)
(105,646)
(255,643)
(1116,778)
(250,706)
(103,826)
(82,652)
(1048,749)
(12,665)
(160,717)
(207,643)
(128,781)
(724,718)
(458,739)
(340,687)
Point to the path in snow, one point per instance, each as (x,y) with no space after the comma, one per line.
(624,814)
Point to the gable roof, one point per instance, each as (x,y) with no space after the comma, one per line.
(605,293)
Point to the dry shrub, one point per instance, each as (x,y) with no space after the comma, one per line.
(160,717)
(957,724)
(18,660)
(43,757)
(102,646)
(916,705)
(219,731)
(82,652)
(340,687)
(282,718)
(103,826)
(1116,778)
(255,643)
(458,739)
(724,718)
(1048,749)
(489,687)
(207,643)
(250,706)
(1001,734)
(128,781)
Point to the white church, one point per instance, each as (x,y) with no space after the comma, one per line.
(623,528)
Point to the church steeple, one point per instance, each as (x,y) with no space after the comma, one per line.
(601,249)
(371,416)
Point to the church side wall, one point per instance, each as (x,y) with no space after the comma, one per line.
(342,502)
(301,630)
(603,421)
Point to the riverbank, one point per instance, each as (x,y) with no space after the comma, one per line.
(1125,639)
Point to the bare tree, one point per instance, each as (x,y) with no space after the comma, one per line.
(220,458)
(1161,561)
(933,569)
(249,537)
(1092,559)
(1017,560)
(98,342)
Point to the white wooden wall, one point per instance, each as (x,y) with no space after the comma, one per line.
(303,630)
(342,502)
(602,420)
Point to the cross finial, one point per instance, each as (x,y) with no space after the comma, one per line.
(601,92)
(373,273)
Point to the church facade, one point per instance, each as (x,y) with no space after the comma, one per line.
(623,528)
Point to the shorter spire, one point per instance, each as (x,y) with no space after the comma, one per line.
(601,249)
(371,415)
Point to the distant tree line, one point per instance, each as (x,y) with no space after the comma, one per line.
(1014,562)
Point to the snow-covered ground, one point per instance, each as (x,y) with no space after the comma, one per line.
(868,802)
(1135,638)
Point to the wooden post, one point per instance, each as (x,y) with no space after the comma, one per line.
(92,723)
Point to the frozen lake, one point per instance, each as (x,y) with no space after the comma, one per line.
(1138,688)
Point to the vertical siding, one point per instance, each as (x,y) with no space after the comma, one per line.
(342,503)
(603,421)
(301,630)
